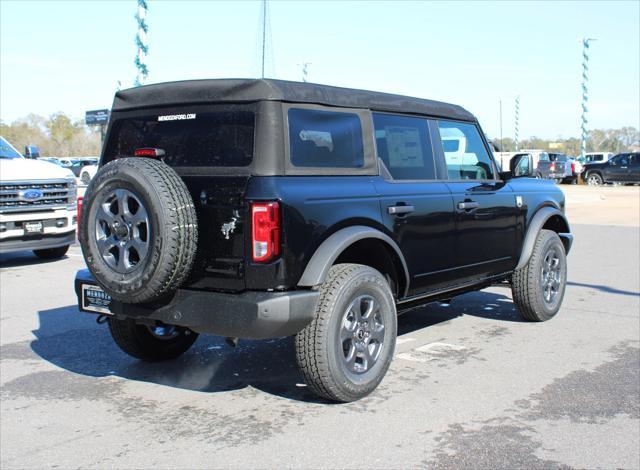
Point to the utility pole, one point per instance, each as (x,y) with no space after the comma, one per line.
(585,93)
(501,147)
(517,123)
(141,42)
(264,33)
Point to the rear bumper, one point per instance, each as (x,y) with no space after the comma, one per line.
(38,242)
(252,315)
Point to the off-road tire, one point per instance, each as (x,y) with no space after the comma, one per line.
(318,346)
(526,284)
(138,341)
(52,253)
(173,231)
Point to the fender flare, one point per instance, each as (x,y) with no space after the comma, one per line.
(316,271)
(536,224)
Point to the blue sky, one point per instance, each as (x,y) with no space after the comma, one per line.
(69,55)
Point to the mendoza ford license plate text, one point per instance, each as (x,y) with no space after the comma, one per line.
(95,299)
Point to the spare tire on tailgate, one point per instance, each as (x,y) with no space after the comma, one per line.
(138,229)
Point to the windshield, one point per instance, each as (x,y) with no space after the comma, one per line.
(7,151)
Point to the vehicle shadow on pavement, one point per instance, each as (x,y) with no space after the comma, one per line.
(75,342)
(24,258)
(607,289)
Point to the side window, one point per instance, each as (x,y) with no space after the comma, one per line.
(464,151)
(403,144)
(621,160)
(325,139)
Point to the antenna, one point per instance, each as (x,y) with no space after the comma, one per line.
(141,42)
(264,33)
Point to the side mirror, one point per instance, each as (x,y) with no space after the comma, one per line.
(31,151)
(522,165)
(505,175)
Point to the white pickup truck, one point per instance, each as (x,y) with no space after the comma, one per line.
(37,205)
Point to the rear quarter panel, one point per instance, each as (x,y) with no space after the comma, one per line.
(312,209)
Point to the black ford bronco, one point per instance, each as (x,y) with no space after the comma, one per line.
(265,208)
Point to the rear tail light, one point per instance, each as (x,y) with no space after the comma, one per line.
(553,167)
(265,234)
(148,152)
(78,215)
(573,167)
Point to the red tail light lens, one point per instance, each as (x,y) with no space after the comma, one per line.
(265,239)
(573,167)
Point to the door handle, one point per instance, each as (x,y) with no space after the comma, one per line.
(468,205)
(396,210)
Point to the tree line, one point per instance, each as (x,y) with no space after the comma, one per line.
(60,136)
(55,136)
(599,140)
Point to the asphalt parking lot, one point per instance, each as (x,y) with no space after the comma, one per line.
(472,386)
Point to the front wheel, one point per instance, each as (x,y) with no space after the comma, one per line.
(538,288)
(151,343)
(346,350)
(594,179)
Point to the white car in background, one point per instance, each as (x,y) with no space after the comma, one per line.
(598,157)
(37,205)
(87,173)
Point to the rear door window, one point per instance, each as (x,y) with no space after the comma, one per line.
(404,146)
(325,139)
(221,138)
(466,156)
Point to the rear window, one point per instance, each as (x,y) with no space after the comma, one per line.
(221,138)
(325,139)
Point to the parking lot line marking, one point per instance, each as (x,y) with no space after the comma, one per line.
(404,340)
(429,352)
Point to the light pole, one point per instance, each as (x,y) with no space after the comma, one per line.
(585,93)
(141,42)
(517,124)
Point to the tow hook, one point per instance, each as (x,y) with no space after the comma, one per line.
(232,341)
(102,319)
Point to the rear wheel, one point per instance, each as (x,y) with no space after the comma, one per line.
(151,343)
(52,253)
(346,350)
(538,288)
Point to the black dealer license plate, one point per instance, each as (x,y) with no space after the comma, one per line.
(95,299)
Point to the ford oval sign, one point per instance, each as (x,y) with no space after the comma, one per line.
(32,194)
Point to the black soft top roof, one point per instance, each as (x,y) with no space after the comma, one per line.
(247,90)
